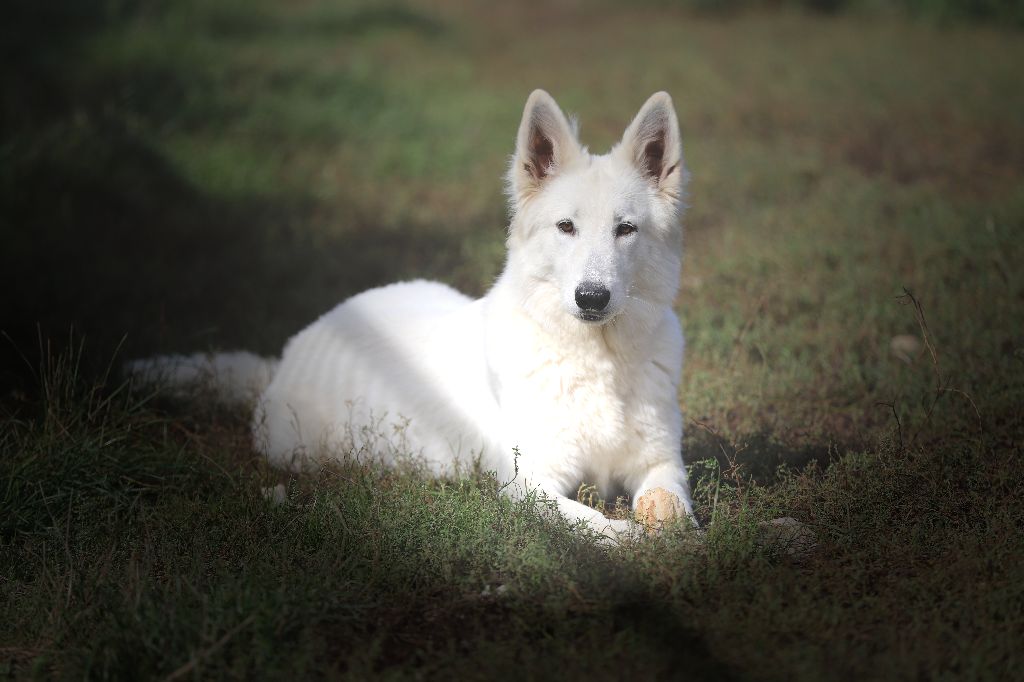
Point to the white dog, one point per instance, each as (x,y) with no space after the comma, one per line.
(566,372)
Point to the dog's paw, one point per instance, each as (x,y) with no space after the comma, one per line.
(656,506)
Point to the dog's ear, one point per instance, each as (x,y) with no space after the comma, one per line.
(652,143)
(545,144)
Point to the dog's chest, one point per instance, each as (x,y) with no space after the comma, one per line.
(574,404)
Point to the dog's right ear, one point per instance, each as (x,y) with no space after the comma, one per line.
(546,143)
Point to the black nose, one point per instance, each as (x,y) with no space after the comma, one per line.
(592,296)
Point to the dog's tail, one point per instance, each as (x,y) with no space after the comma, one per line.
(237,377)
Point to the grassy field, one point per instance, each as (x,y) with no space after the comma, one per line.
(213,175)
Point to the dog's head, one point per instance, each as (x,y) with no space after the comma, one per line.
(596,236)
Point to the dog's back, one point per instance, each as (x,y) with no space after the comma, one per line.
(391,372)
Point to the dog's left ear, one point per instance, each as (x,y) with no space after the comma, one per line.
(652,143)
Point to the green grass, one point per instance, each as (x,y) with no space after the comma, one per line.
(192,175)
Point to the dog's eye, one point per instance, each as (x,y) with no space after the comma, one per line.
(622,229)
(566,226)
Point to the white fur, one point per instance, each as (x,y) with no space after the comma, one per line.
(238,377)
(419,368)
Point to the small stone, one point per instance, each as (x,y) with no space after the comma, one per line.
(499,591)
(276,495)
(789,536)
(906,347)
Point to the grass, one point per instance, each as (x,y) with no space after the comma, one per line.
(215,175)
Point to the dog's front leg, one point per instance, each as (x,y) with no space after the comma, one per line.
(550,495)
(610,530)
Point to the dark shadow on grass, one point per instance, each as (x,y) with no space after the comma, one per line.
(38,41)
(541,640)
(760,456)
(104,237)
(102,234)
(685,649)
